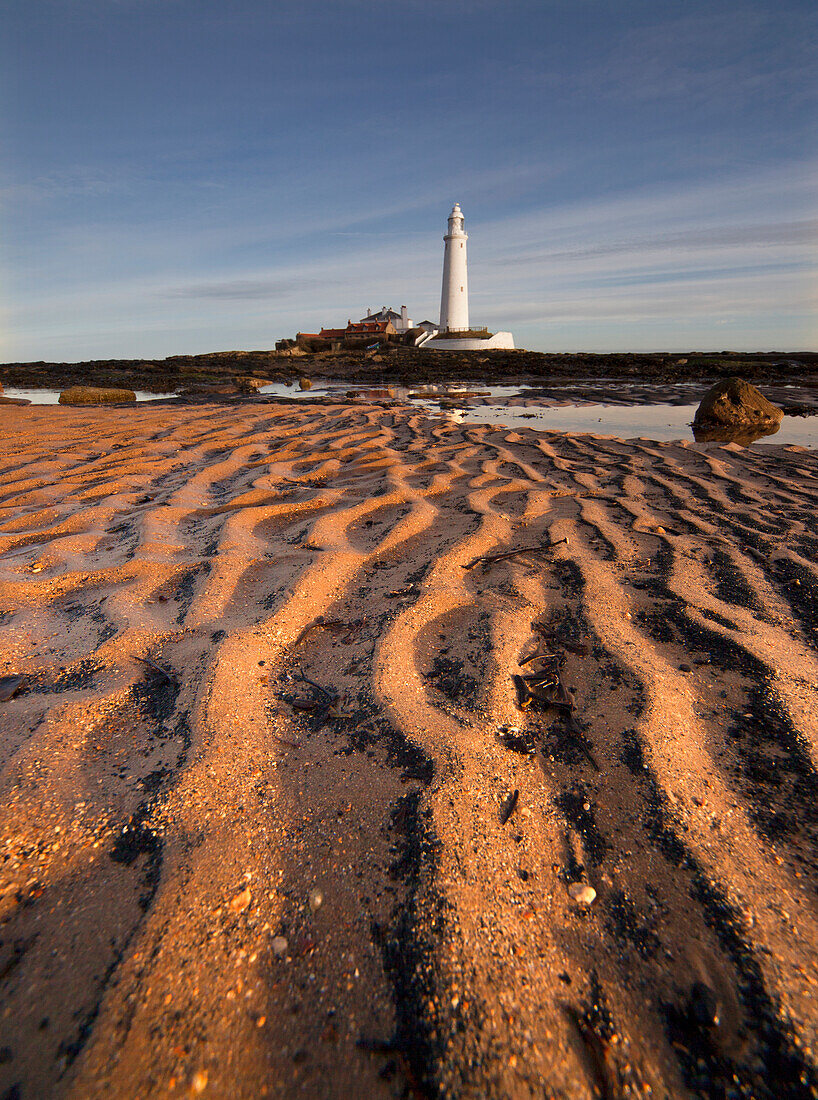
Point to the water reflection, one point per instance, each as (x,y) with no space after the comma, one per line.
(656,422)
(723,434)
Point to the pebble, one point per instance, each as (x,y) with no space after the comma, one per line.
(199,1082)
(241,900)
(316,900)
(582,893)
(280,945)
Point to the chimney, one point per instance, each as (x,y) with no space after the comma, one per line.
(404,316)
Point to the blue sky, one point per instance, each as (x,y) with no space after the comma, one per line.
(182,176)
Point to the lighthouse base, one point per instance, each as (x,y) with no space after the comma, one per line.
(437,341)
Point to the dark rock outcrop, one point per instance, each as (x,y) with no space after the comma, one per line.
(414,366)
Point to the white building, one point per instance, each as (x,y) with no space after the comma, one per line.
(401,322)
(454,333)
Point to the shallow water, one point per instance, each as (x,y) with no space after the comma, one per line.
(660,422)
(386,390)
(52,397)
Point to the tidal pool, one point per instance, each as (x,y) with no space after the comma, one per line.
(52,397)
(659,422)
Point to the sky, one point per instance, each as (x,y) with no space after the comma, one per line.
(185,176)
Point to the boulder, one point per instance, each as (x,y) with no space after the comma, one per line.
(736,404)
(304,384)
(14,400)
(248,384)
(95,395)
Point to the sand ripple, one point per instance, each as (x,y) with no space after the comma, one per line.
(162,822)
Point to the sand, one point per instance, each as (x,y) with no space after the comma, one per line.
(166,827)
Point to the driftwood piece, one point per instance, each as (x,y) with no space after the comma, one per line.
(539,657)
(489,559)
(329,696)
(163,672)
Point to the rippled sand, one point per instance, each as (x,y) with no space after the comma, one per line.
(164,824)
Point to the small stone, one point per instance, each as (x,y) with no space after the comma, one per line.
(280,945)
(582,893)
(199,1082)
(316,900)
(241,900)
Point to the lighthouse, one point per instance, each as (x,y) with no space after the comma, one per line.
(454,333)
(454,298)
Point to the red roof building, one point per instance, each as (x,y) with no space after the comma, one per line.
(370,328)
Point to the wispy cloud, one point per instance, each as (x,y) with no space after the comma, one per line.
(624,168)
(676,265)
(237,289)
(801,234)
(718,57)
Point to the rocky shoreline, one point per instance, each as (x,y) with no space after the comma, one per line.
(395,365)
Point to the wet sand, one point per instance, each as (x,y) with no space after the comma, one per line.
(328,705)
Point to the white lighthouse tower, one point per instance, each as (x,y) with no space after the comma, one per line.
(454,333)
(454,299)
